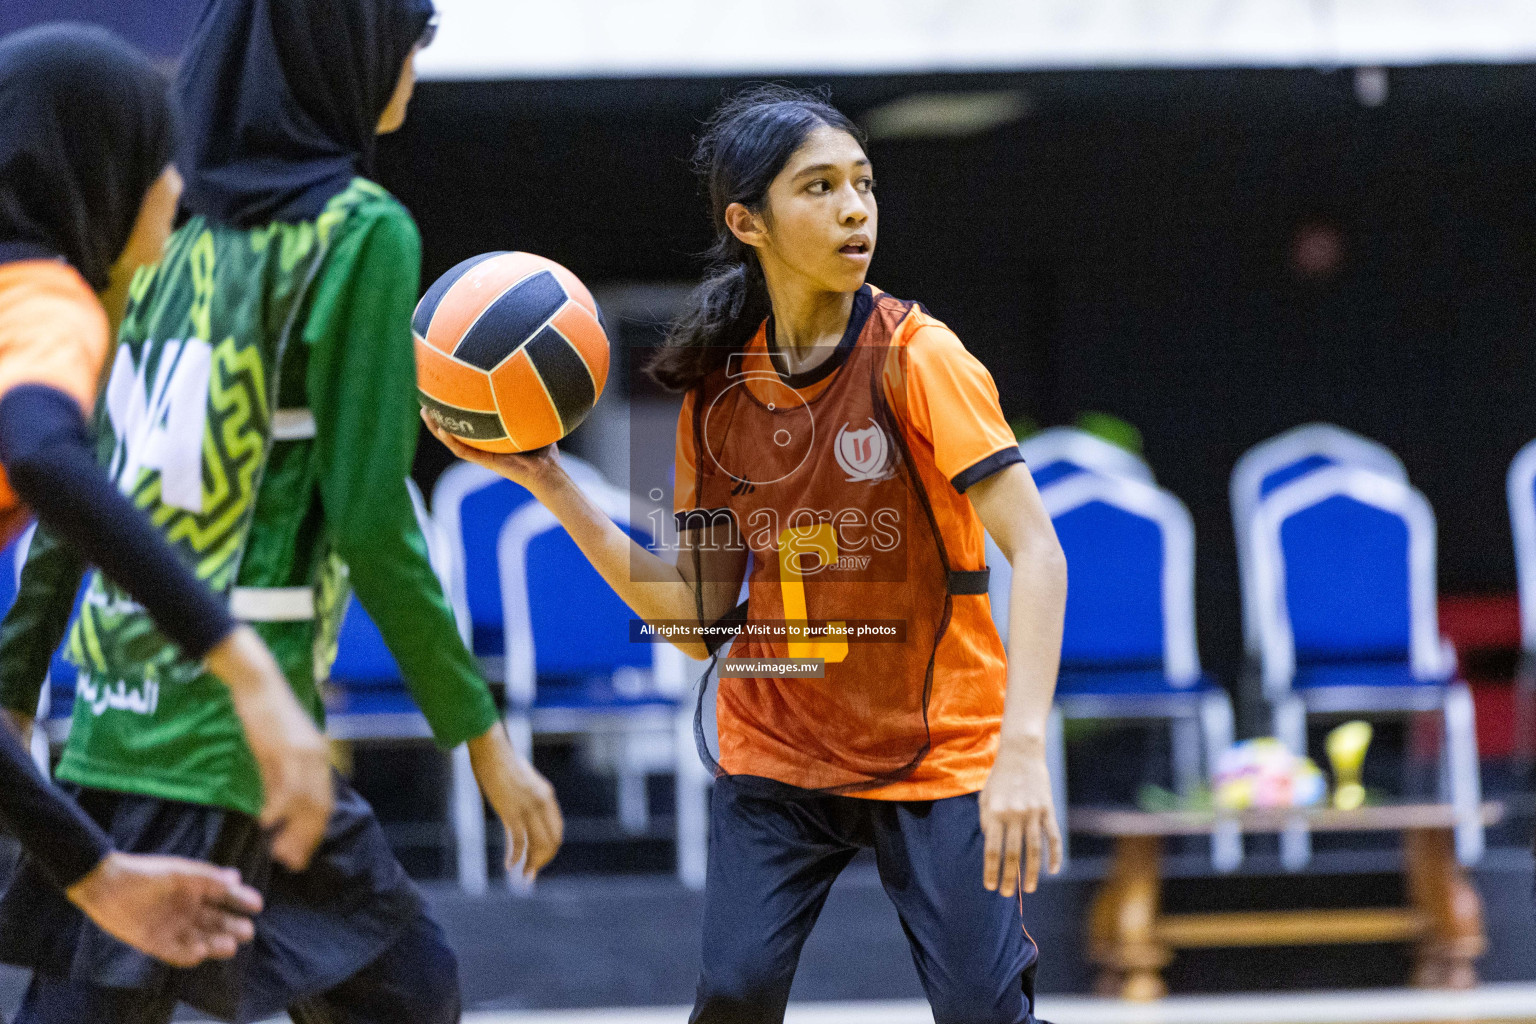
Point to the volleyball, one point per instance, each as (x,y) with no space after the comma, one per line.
(511,354)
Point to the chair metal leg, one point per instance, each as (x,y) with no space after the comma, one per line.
(40,750)
(634,808)
(1056,762)
(1291,729)
(1186,755)
(468,810)
(1445,788)
(1216,728)
(1465,784)
(1423,775)
(1525,715)
(40,730)
(520,732)
(1290,724)
(692,805)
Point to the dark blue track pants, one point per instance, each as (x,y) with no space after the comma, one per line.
(774,854)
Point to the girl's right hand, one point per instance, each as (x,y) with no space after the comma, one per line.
(536,470)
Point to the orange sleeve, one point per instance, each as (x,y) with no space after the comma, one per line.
(952,403)
(53,330)
(685,485)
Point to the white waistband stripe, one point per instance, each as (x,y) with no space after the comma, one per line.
(272,604)
(293,425)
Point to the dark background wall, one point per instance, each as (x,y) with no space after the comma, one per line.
(159,27)
(1129,247)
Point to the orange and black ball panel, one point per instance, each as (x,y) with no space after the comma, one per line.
(511,351)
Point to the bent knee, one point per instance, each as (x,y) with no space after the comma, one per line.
(438,998)
(424,983)
(981,1005)
(742,996)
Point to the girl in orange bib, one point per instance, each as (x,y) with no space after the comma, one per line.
(847,442)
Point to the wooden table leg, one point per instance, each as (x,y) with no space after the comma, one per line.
(1122,924)
(1451,907)
(1101,936)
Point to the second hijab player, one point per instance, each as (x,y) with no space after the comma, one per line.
(277,329)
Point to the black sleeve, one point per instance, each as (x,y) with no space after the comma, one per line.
(994,463)
(46,450)
(57,834)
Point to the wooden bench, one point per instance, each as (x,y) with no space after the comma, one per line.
(1131,940)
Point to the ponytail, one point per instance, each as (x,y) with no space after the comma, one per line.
(719,318)
(744,147)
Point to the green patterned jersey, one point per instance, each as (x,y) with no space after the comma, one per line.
(261,410)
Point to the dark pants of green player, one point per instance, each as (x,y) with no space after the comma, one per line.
(774,853)
(348,940)
(415,980)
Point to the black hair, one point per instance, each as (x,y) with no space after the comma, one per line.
(745,145)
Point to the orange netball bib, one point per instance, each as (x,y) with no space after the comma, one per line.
(847,565)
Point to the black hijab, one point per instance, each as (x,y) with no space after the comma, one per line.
(85,129)
(281,100)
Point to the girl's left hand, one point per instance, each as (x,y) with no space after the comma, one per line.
(534,470)
(1017,815)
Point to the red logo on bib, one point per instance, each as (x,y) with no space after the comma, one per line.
(864,454)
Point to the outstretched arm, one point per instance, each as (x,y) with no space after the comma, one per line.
(1016,807)
(656,590)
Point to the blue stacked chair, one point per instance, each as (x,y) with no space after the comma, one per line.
(1343,560)
(368,698)
(1051,455)
(574,668)
(1522,520)
(1059,452)
(1279,460)
(1128,648)
(471,505)
(368,701)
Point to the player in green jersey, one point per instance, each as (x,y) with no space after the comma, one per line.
(87,196)
(261,408)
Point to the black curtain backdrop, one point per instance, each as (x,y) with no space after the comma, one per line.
(1126,248)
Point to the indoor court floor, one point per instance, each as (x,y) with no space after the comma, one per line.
(1490,1004)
